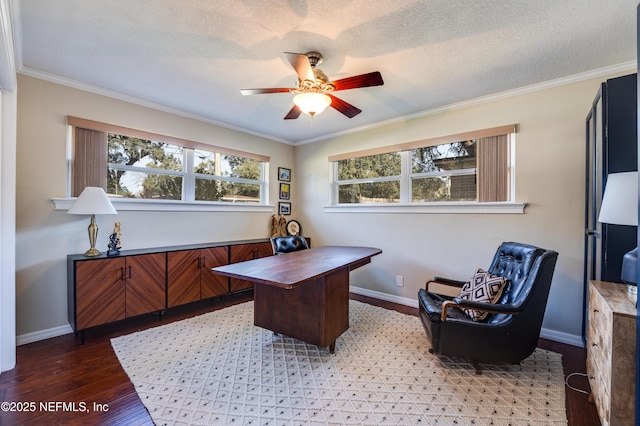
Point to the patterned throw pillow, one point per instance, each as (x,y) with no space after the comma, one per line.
(483,287)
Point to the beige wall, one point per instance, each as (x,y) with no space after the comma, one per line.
(550,178)
(44,237)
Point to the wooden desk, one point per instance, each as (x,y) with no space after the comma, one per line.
(304,294)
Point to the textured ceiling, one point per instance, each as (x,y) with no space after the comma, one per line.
(195,56)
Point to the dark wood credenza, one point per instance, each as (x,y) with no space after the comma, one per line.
(103,289)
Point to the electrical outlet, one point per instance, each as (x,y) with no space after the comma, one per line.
(400,281)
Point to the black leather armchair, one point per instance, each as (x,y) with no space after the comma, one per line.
(511,331)
(288,244)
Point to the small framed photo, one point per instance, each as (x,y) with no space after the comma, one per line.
(284,174)
(285,191)
(284,208)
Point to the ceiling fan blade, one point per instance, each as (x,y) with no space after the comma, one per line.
(294,113)
(363,80)
(344,107)
(301,64)
(246,92)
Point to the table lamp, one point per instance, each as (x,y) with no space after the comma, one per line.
(620,207)
(93,201)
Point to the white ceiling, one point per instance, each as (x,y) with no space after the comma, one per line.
(193,56)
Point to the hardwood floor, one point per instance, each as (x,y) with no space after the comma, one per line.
(59,375)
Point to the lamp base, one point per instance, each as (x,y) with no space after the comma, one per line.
(92,252)
(632,293)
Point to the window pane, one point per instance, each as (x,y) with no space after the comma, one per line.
(241,167)
(382,165)
(444,188)
(445,157)
(216,190)
(128,151)
(130,184)
(205,162)
(372,192)
(215,164)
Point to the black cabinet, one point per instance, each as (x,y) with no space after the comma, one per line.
(611,133)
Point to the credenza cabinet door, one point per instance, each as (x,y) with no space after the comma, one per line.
(244,252)
(213,285)
(145,290)
(100,292)
(183,277)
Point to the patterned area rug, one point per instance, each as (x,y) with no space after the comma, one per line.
(218,368)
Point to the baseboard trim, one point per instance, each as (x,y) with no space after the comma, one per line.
(545,333)
(384,296)
(36,336)
(556,336)
(562,337)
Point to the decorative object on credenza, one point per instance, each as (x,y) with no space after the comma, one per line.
(285,191)
(284,174)
(275,229)
(620,207)
(92,201)
(114,245)
(282,226)
(284,208)
(293,227)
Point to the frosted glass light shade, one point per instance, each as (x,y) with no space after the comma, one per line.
(92,200)
(312,103)
(620,200)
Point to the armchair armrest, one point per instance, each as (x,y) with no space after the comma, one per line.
(445,281)
(478,306)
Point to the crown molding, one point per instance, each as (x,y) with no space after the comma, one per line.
(630,66)
(63,81)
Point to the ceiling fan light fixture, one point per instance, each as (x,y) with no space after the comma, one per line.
(312,103)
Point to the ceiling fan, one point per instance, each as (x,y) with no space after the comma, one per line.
(313,91)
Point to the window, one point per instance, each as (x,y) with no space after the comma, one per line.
(370,179)
(139,165)
(470,167)
(139,168)
(444,172)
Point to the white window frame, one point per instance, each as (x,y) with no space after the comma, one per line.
(405,205)
(188,202)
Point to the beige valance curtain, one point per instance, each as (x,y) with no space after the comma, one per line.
(141,134)
(476,134)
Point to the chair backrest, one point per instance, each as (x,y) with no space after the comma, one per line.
(288,244)
(514,261)
(526,267)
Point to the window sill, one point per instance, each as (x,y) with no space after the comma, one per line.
(171,206)
(442,207)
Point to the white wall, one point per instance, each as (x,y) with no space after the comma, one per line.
(44,237)
(550,178)
(8,107)
(7,230)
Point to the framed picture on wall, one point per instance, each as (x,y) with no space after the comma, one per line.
(284,174)
(285,191)
(284,208)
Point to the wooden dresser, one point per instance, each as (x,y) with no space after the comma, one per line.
(611,352)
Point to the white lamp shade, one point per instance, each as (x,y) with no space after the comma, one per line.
(92,200)
(312,103)
(620,200)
